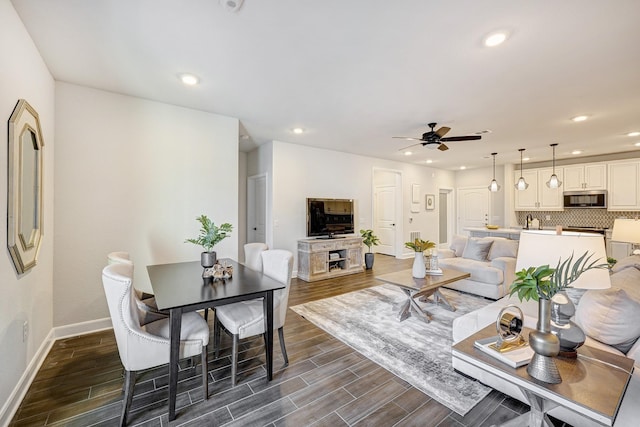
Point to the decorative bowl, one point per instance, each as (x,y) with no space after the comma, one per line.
(492,227)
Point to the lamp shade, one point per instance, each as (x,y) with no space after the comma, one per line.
(542,247)
(626,230)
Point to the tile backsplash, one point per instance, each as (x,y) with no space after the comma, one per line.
(576,217)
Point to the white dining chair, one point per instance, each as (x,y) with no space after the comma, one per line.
(147,346)
(246,319)
(253,255)
(145,302)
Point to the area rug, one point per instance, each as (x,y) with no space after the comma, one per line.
(416,351)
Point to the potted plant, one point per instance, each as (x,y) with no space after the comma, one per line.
(210,235)
(419,269)
(542,284)
(369,239)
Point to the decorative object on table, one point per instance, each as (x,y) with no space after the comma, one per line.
(627,230)
(542,283)
(509,328)
(431,263)
(210,235)
(430,202)
(492,227)
(514,356)
(419,269)
(369,239)
(220,271)
(25,213)
(611,261)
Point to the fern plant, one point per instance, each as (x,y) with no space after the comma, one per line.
(544,282)
(210,234)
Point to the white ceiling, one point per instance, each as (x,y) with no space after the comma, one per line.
(355,73)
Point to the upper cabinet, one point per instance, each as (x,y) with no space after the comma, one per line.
(624,188)
(539,197)
(590,176)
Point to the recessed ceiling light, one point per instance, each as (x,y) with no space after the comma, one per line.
(298,131)
(579,118)
(429,161)
(408,153)
(462,168)
(526,159)
(189,79)
(637,144)
(575,152)
(633,134)
(495,39)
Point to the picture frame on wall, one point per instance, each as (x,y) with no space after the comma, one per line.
(430,202)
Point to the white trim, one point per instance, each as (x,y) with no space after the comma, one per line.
(12,404)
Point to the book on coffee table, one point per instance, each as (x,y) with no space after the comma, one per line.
(437,272)
(515,358)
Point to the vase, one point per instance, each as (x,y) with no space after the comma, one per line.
(545,345)
(419,270)
(208,259)
(368,260)
(570,335)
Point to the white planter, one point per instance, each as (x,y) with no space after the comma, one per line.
(419,270)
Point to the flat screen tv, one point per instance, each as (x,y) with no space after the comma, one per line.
(329,217)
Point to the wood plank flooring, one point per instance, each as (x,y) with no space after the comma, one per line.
(326,383)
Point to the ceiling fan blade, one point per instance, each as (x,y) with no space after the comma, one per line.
(408,138)
(442,131)
(462,138)
(442,147)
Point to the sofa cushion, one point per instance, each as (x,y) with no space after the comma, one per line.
(503,248)
(610,316)
(458,243)
(630,261)
(480,271)
(629,280)
(477,249)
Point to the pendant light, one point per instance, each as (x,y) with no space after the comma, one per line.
(554,182)
(493,186)
(521,184)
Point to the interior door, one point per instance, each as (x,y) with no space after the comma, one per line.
(473,208)
(385,219)
(257,208)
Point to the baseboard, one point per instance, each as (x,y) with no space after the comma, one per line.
(11,405)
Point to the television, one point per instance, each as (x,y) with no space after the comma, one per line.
(329,217)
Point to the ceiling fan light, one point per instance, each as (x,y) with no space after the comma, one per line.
(494,186)
(521,184)
(554,182)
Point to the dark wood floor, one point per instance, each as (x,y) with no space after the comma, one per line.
(326,384)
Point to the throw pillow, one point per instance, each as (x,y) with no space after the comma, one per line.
(503,247)
(477,249)
(610,316)
(457,244)
(630,261)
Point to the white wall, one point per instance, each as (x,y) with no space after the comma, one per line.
(27,297)
(133,175)
(297,172)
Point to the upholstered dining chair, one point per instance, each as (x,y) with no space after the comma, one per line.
(246,319)
(145,302)
(147,346)
(253,255)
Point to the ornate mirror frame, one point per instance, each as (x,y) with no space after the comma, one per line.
(24,204)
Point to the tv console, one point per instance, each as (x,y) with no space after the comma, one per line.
(320,259)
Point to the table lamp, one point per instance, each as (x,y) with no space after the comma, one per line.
(627,230)
(556,333)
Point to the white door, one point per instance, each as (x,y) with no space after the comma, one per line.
(256,208)
(385,219)
(473,208)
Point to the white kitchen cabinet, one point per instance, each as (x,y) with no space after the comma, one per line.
(538,197)
(590,176)
(624,186)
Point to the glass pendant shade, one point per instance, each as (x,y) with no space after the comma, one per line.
(494,186)
(521,184)
(554,182)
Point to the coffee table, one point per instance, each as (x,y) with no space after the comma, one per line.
(593,384)
(423,289)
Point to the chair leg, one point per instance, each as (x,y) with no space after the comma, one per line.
(216,337)
(282,346)
(206,314)
(234,359)
(205,372)
(129,382)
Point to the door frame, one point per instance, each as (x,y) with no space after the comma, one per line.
(399,212)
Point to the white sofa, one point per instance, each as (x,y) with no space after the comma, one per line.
(611,320)
(491,261)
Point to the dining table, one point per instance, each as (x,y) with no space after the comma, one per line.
(180,287)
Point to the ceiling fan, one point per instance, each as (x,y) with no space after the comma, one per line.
(435,137)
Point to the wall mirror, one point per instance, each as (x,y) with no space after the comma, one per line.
(24,205)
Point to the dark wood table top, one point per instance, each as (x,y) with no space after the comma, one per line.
(405,279)
(181,284)
(594,383)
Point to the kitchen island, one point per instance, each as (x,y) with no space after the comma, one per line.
(509,233)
